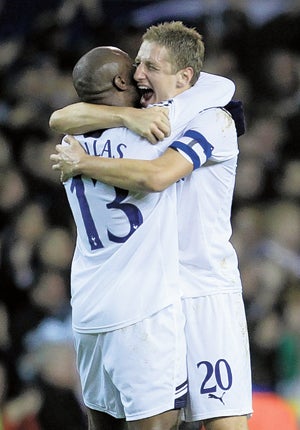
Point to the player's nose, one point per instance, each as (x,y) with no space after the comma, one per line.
(139,73)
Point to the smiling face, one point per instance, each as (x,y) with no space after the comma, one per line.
(156,76)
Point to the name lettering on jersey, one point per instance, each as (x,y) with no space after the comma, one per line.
(109,150)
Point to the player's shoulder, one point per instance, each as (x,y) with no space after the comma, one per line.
(214,117)
(218,112)
(218,127)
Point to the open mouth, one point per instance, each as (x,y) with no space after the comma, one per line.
(146,94)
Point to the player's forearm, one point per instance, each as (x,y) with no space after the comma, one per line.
(82,117)
(135,175)
(152,124)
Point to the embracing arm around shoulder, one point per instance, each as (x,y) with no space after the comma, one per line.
(152,124)
(136,175)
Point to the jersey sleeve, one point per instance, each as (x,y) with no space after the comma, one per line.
(211,135)
(210,91)
(194,147)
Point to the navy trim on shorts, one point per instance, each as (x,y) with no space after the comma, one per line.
(181,395)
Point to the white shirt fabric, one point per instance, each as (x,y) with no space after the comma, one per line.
(208,261)
(125,264)
(123,268)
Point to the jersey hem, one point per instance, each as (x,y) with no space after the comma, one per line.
(123,324)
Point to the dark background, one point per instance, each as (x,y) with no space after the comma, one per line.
(255,43)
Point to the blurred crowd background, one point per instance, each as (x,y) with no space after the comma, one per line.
(257,44)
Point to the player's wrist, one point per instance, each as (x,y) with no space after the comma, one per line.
(83,165)
(126,115)
(78,166)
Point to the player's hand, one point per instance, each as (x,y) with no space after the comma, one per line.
(67,158)
(153,123)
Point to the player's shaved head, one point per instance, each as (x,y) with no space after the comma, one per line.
(103,74)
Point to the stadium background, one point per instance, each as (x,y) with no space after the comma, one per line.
(255,43)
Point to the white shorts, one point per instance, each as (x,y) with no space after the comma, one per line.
(138,371)
(219,372)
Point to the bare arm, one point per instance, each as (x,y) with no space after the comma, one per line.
(138,175)
(152,124)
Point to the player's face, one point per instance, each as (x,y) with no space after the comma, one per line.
(132,93)
(154,74)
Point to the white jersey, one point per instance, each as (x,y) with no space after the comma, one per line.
(208,261)
(125,265)
(123,268)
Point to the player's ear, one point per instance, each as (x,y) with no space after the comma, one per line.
(120,83)
(184,77)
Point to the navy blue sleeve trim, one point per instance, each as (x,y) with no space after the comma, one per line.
(189,151)
(188,148)
(207,147)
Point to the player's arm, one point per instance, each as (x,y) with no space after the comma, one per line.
(152,124)
(185,154)
(137,175)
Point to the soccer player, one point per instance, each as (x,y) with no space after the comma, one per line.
(216,330)
(120,311)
